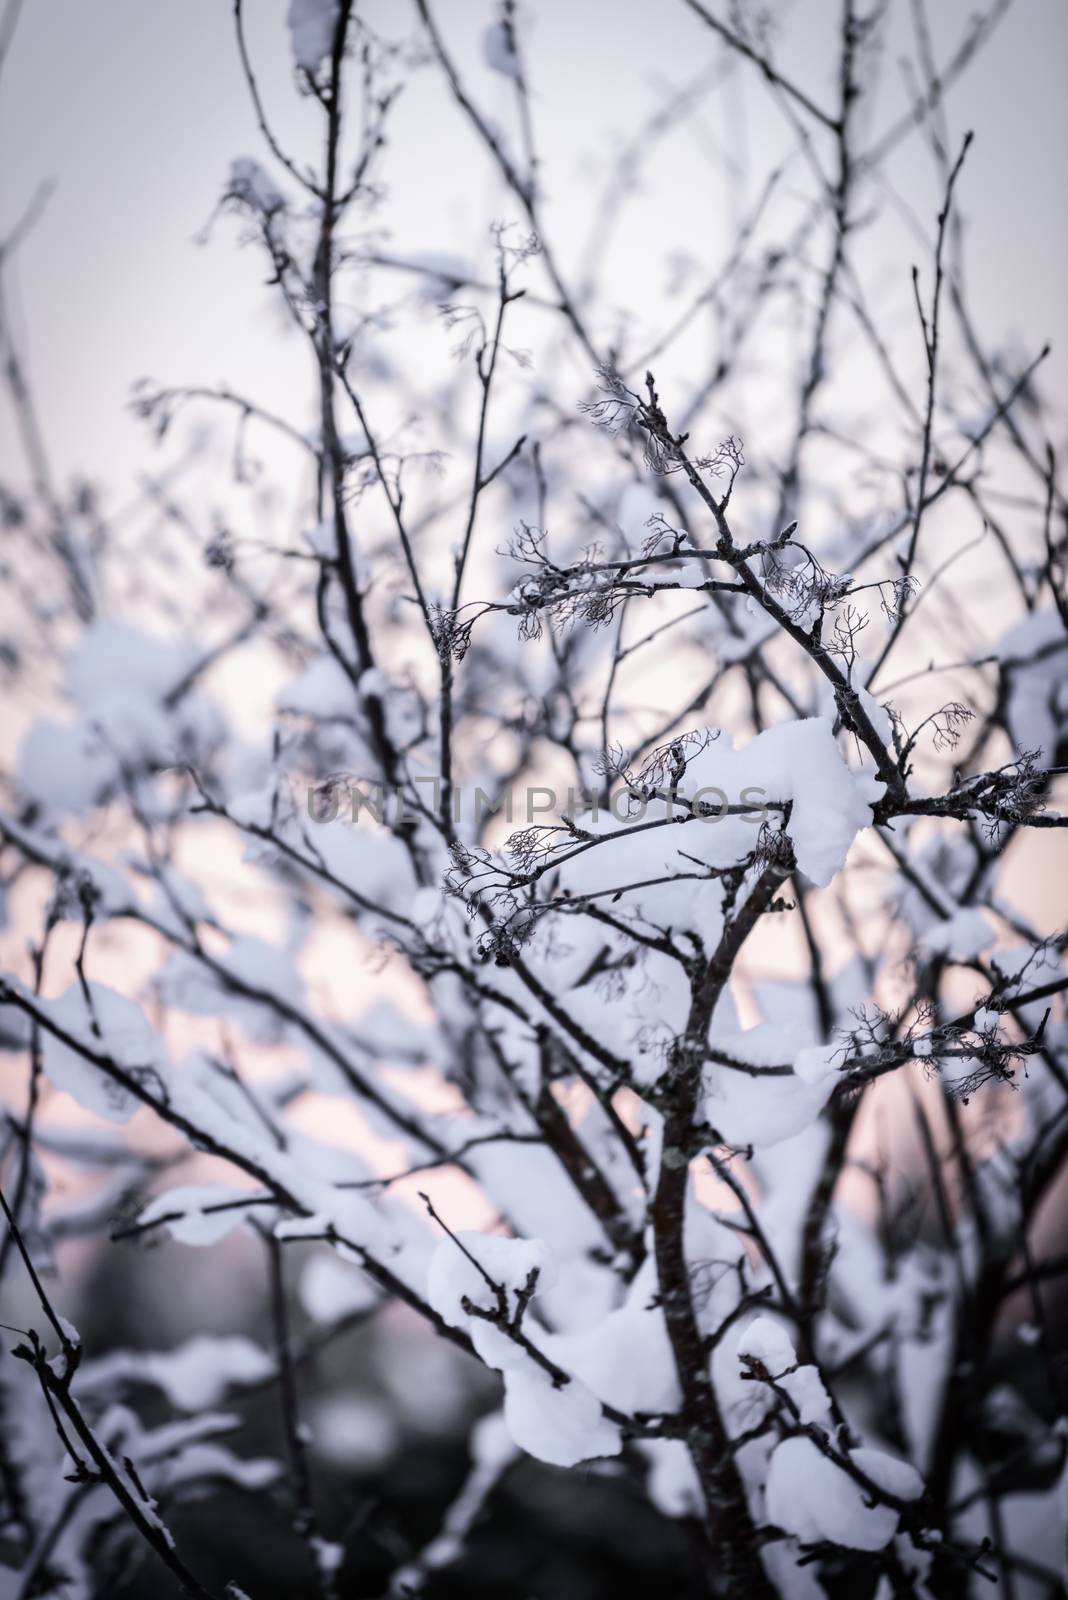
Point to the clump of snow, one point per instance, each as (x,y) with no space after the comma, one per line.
(498,49)
(63,767)
(454,1277)
(311,25)
(322,539)
(186,1214)
(200,1461)
(562,1426)
(898,1478)
(115,1027)
(490,1444)
(766,1341)
(761,1110)
(123,682)
(70,1332)
(176,899)
(799,762)
(252,185)
(249,965)
(878,716)
(111,658)
(312,1227)
(77,874)
(1032,654)
(1030,968)
(331,1290)
(193,1376)
(321,690)
(808,1392)
(813,1499)
(625,1357)
(672,1483)
(355,1432)
(960,937)
(523,1181)
(940,869)
(817,1062)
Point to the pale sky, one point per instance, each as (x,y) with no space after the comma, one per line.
(134,109)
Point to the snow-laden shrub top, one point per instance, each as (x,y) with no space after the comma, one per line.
(603,951)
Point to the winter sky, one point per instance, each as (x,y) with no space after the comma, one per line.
(134,110)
